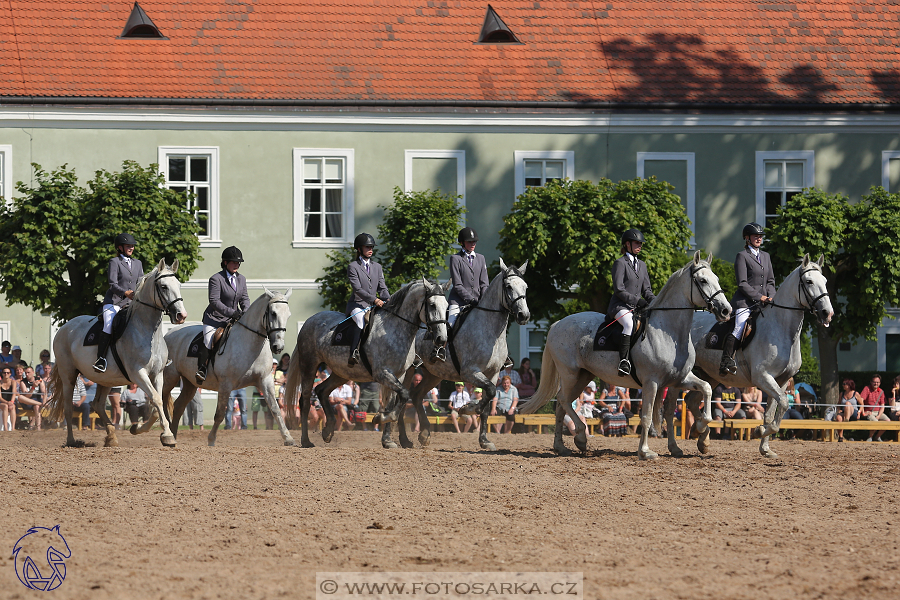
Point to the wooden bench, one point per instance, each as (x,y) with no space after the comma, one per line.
(445,419)
(746,426)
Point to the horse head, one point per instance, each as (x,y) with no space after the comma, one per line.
(166,291)
(710,294)
(434,315)
(514,288)
(813,289)
(276,317)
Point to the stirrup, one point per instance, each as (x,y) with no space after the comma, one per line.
(354,358)
(624,367)
(727,366)
(100,365)
(200,375)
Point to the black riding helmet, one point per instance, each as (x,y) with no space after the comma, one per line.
(363,240)
(752,229)
(125,239)
(632,235)
(467,234)
(232,253)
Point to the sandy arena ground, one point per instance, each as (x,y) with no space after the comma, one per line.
(252,519)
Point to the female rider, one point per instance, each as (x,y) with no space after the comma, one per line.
(368,288)
(228,300)
(631,292)
(124,273)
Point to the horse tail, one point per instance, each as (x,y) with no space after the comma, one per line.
(291,388)
(57,405)
(549,385)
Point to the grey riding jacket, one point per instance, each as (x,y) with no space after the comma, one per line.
(630,283)
(469,281)
(122,277)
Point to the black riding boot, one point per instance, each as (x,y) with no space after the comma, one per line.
(728,366)
(102,349)
(624,351)
(202,362)
(354,347)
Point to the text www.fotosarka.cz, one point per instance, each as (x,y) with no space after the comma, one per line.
(439,585)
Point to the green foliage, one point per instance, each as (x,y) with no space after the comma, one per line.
(416,237)
(570,233)
(56,238)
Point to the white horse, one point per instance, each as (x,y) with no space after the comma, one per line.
(389,347)
(245,360)
(141,349)
(773,355)
(663,357)
(480,346)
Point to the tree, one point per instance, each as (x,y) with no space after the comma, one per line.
(56,238)
(862,255)
(570,233)
(416,237)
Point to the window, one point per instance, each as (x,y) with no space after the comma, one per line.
(196,170)
(676,168)
(531,342)
(888,342)
(779,175)
(535,169)
(6,180)
(436,169)
(890,170)
(323,198)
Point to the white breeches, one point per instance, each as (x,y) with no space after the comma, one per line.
(109,312)
(208,332)
(626,318)
(740,318)
(452,313)
(358,315)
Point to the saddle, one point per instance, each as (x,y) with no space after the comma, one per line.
(451,335)
(194,346)
(92,337)
(609,334)
(715,338)
(342,335)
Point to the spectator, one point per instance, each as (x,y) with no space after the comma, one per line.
(512,374)
(752,398)
(893,408)
(81,404)
(589,400)
(504,403)
(193,413)
(527,380)
(796,408)
(115,404)
(258,402)
(615,410)
(873,404)
(45,360)
(241,398)
(341,398)
(458,399)
(5,356)
(8,392)
(726,405)
(417,379)
(369,394)
(848,409)
(284,363)
(17,355)
(477,397)
(236,412)
(31,396)
(135,404)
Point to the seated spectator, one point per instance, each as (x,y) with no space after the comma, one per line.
(615,410)
(459,398)
(31,397)
(45,360)
(235,413)
(341,399)
(528,382)
(81,404)
(752,399)
(134,401)
(504,403)
(193,412)
(5,356)
(284,363)
(8,391)
(512,374)
(849,403)
(892,410)
(17,355)
(726,405)
(796,408)
(872,407)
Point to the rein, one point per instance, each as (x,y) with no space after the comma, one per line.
(269,330)
(707,299)
(428,324)
(158,293)
(810,301)
(504,306)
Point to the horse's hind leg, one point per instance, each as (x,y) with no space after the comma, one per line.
(99,407)
(428,382)
(559,446)
(304,417)
(323,390)
(775,410)
(188,390)
(221,407)
(401,430)
(483,440)
(272,402)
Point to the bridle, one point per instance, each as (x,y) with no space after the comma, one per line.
(158,294)
(269,330)
(507,303)
(708,299)
(804,294)
(429,325)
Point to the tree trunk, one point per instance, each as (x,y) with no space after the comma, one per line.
(828,364)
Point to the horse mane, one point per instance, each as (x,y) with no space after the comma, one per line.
(667,288)
(492,292)
(140,284)
(398,297)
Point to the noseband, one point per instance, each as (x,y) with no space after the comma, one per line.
(158,294)
(708,299)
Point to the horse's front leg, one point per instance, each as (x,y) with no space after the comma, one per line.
(669,404)
(389,380)
(699,388)
(224,397)
(272,401)
(188,390)
(488,392)
(155,399)
(777,406)
(649,395)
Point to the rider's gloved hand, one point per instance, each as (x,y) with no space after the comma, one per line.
(237,315)
(642,304)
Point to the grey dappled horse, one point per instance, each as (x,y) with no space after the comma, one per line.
(664,355)
(246,360)
(773,356)
(141,348)
(389,347)
(480,345)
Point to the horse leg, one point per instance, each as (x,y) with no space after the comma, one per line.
(188,390)
(692,402)
(155,400)
(775,410)
(221,409)
(558,445)
(68,389)
(323,391)
(650,392)
(305,401)
(483,440)
(488,391)
(669,403)
(428,382)
(272,402)
(401,431)
(100,395)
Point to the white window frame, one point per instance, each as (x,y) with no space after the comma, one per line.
(809,174)
(6,172)
(522,155)
(690,199)
(213,240)
(349,226)
(459,155)
(525,350)
(886,157)
(888,326)
(5,330)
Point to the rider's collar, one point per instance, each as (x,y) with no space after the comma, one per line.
(753,251)
(631,257)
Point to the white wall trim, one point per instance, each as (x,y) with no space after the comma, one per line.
(886,157)
(690,200)
(213,241)
(273,284)
(459,155)
(349,226)
(6,155)
(809,174)
(520,156)
(5,331)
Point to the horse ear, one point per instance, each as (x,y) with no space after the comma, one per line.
(446,287)
(821,260)
(697,257)
(161,266)
(502,264)
(268,293)
(523,267)
(175,266)
(426,284)
(709,258)
(287,293)
(805,261)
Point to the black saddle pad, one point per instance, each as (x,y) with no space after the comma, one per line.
(92,337)
(609,334)
(343,335)
(194,348)
(715,339)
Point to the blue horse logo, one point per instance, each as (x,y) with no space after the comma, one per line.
(40,557)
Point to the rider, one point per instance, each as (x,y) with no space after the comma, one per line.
(368,288)
(124,273)
(228,300)
(631,292)
(755,285)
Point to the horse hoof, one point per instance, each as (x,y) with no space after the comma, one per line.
(676,452)
(111,442)
(390,417)
(489,446)
(167,440)
(327,436)
(307,444)
(389,445)
(133,429)
(648,455)
(562,451)
(768,454)
(703,446)
(424,439)
(407,444)
(289,442)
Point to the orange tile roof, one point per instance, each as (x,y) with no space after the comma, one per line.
(834,52)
